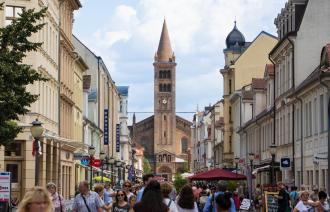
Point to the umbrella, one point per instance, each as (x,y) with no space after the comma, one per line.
(99,179)
(217,174)
(186,174)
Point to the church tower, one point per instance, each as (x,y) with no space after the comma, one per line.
(164,95)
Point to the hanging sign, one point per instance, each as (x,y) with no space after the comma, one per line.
(118,138)
(106,127)
(285,163)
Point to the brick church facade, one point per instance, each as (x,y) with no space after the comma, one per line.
(165,137)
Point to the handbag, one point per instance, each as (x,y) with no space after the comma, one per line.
(89,210)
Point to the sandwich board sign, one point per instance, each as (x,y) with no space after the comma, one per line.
(5,189)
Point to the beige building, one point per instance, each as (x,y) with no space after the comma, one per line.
(56,162)
(243,61)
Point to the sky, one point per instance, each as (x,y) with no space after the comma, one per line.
(125,33)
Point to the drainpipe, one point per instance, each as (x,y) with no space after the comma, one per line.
(328,92)
(59,61)
(259,152)
(98,90)
(301,141)
(293,108)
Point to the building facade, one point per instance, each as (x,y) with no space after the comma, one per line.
(243,61)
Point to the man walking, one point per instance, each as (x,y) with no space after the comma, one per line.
(86,200)
(146,179)
(283,199)
(210,205)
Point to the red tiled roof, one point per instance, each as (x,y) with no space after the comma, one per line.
(247,94)
(258,83)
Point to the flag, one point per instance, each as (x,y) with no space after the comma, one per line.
(34,143)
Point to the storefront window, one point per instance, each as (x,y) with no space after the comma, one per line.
(13,168)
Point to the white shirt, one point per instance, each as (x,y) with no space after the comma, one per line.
(195,209)
(172,207)
(301,207)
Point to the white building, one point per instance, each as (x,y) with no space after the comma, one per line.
(311,96)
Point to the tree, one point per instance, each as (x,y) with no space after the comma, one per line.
(179,182)
(146,166)
(15,76)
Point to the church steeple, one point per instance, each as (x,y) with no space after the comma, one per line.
(164,52)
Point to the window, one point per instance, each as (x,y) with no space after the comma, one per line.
(12,12)
(169,88)
(13,168)
(315,115)
(230,86)
(321,113)
(13,149)
(184,145)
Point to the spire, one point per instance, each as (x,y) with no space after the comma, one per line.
(134,119)
(164,52)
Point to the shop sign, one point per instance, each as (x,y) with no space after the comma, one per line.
(285,163)
(96,163)
(106,127)
(84,161)
(118,138)
(5,186)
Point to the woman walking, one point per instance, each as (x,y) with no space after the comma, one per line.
(152,199)
(166,190)
(57,200)
(99,189)
(185,201)
(35,200)
(121,204)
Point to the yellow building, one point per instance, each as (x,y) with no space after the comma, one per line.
(243,61)
(56,161)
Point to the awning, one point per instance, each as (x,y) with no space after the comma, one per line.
(179,160)
(217,174)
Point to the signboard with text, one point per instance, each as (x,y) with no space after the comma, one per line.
(4,186)
(106,127)
(271,201)
(118,138)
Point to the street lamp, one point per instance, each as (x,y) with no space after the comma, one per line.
(251,158)
(118,165)
(111,162)
(91,152)
(123,166)
(36,131)
(236,161)
(102,157)
(272,151)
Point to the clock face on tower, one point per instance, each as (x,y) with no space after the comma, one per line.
(164,101)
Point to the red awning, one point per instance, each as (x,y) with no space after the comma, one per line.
(217,174)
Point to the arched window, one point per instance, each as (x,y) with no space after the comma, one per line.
(169,88)
(184,145)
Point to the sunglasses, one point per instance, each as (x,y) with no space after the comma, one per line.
(128,186)
(120,195)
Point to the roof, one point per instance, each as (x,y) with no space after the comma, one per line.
(247,94)
(164,52)
(235,38)
(123,90)
(259,84)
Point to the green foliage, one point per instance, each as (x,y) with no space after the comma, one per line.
(146,166)
(232,185)
(14,74)
(179,182)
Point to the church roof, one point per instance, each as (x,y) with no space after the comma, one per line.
(235,38)
(164,52)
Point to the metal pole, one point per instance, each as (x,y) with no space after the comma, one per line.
(236,169)
(102,171)
(91,170)
(272,172)
(251,163)
(112,177)
(36,146)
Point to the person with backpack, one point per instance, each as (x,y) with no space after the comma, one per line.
(166,189)
(210,205)
(294,196)
(86,200)
(57,199)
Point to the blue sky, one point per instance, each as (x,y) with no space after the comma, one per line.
(125,33)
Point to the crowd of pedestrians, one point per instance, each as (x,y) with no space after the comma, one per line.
(154,196)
